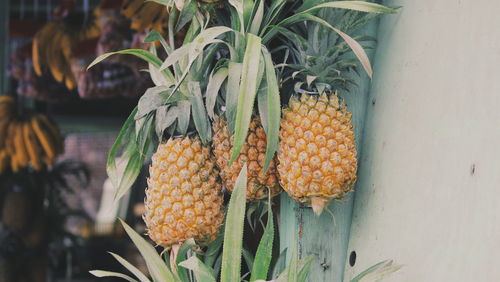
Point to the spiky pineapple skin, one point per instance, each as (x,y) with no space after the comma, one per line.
(253,153)
(317,155)
(183,198)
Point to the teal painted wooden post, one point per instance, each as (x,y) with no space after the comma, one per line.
(4,45)
(320,237)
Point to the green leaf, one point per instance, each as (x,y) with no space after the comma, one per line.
(186,15)
(279,265)
(158,77)
(304,268)
(257,19)
(212,252)
(184,117)
(265,250)
(214,84)
(292,268)
(182,256)
(233,235)
(165,117)
(377,272)
(134,270)
(360,6)
(202,272)
(353,44)
(248,7)
(156,266)
(273,109)
(232,92)
(248,257)
(131,160)
(153,36)
(102,273)
(200,116)
(155,97)
(247,93)
(142,54)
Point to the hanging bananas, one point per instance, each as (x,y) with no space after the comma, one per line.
(29,141)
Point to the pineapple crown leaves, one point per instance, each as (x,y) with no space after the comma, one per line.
(255,25)
(174,105)
(320,55)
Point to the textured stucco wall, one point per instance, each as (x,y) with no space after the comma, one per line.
(429,187)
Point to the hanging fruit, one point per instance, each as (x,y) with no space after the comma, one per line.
(30,140)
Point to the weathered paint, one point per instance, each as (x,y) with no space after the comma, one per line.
(428,193)
(325,237)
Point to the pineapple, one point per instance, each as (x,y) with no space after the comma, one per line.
(183,198)
(317,155)
(253,152)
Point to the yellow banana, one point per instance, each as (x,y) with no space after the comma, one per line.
(130,7)
(9,143)
(54,132)
(55,57)
(44,139)
(21,152)
(4,161)
(14,164)
(41,43)
(32,146)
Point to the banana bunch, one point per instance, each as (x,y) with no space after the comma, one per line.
(145,15)
(27,141)
(53,46)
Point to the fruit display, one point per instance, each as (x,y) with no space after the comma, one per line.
(216,101)
(260,183)
(31,140)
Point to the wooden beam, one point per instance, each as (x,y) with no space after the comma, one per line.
(326,238)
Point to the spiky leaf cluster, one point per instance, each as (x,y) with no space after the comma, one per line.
(321,57)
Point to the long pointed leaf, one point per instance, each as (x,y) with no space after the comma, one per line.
(232,92)
(156,266)
(202,272)
(200,116)
(273,108)
(134,270)
(233,235)
(248,91)
(264,252)
(214,85)
(102,273)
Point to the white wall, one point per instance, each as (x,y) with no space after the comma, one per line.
(436,116)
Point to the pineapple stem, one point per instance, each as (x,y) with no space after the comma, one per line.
(318,204)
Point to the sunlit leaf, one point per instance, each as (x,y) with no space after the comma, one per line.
(134,270)
(156,266)
(247,93)
(202,272)
(102,273)
(264,252)
(233,235)
(213,88)
(273,109)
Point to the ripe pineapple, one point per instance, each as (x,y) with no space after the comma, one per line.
(253,152)
(317,156)
(183,198)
